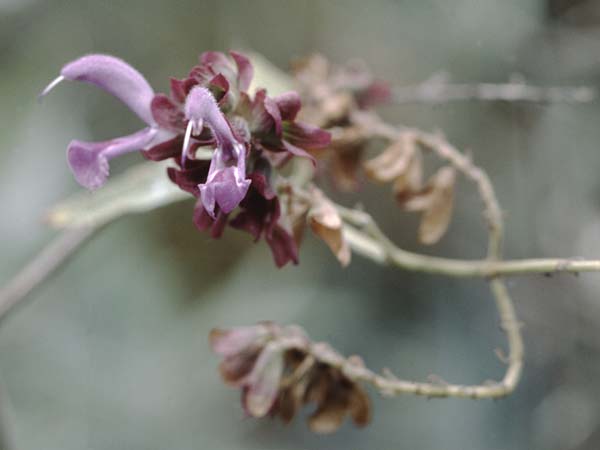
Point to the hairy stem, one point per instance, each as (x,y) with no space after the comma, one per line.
(437,90)
(384,252)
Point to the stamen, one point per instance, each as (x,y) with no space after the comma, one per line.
(186,141)
(51,86)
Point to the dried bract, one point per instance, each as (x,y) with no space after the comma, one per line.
(326,223)
(279,371)
(436,202)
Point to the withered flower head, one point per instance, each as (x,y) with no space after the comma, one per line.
(333,94)
(279,370)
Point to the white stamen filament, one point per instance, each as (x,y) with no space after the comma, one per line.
(51,86)
(186,141)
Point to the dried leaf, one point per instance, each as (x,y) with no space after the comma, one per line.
(411,180)
(359,406)
(327,418)
(326,223)
(345,156)
(436,200)
(393,162)
(291,399)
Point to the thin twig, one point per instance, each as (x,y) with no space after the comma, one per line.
(388,253)
(42,266)
(437,90)
(446,151)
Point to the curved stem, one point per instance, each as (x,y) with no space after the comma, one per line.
(391,254)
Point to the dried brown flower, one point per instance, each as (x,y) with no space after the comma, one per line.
(280,371)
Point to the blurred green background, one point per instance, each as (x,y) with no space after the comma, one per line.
(112,352)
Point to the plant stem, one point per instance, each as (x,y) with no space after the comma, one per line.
(438,90)
(52,257)
(387,253)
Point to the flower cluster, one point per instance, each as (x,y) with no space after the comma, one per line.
(248,137)
(279,371)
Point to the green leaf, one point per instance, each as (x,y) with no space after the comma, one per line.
(140,189)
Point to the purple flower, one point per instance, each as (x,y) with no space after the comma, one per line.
(89,160)
(209,108)
(226,184)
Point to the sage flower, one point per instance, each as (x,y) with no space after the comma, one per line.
(89,160)
(248,136)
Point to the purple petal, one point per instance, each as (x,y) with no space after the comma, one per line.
(164,150)
(226,185)
(283,246)
(116,77)
(201,107)
(204,222)
(259,120)
(225,188)
(89,160)
(214,58)
(178,91)
(181,88)
(273,111)
(245,70)
(167,114)
(289,105)
(220,87)
(306,136)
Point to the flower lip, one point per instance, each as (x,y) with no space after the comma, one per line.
(89,160)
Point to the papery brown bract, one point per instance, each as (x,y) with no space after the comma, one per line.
(435,201)
(336,396)
(345,157)
(326,223)
(401,160)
